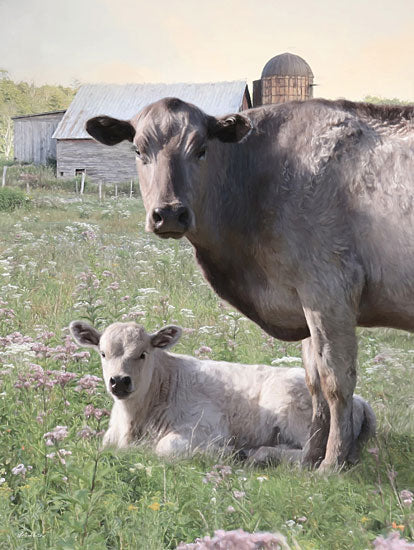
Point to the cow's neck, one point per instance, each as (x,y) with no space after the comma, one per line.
(227,242)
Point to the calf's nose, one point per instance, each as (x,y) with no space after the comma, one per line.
(170,219)
(120,384)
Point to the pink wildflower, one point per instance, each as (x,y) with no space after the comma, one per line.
(20,469)
(238,540)
(406,497)
(57,434)
(392,542)
(89,383)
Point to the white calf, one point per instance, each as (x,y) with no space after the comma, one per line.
(183,404)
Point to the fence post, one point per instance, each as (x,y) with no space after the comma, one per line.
(116,190)
(130,191)
(3,181)
(82,183)
(76,186)
(100,190)
(27,187)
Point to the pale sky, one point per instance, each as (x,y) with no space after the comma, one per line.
(354,47)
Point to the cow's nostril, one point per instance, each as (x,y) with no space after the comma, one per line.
(126,381)
(112,381)
(156,216)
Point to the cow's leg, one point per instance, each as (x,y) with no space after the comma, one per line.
(332,327)
(314,451)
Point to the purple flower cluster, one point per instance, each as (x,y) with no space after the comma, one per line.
(36,377)
(90,410)
(57,434)
(392,542)
(86,432)
(238,540)
(217,474)
(88,383)
(60,454)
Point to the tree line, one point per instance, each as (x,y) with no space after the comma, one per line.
(23,98)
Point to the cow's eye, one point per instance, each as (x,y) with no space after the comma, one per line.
(201,155)
(143,355)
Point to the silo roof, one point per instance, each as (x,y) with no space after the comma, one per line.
(287,64)
(124,101)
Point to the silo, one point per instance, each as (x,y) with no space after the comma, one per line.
(285,77)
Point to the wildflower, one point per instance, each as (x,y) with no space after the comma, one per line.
(235,540)
(132,507)
(239,494)
(260,479)
(113,286)
(230,509)
(203,350)
(392,542)
(394,525)
(86,432)
(57,434)
(406,497)
(2,480)
(154,506)
(89,383)
(19,469)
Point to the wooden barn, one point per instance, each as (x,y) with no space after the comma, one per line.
(33,142)
(78,153)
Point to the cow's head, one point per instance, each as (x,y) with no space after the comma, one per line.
(128,354)
(172,140)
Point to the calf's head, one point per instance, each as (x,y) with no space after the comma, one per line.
(171,140)
(128,354)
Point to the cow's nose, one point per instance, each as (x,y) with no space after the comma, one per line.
(120,385)
(171,220)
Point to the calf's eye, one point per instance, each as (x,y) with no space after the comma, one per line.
(102,354)
(143,355)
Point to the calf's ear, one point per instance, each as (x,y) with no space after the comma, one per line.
(85,334)
(166,337)
(110,131)
(229,129)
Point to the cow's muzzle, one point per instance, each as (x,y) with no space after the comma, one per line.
(170,221)
(120,386)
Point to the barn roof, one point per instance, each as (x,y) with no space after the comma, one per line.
(126,100)
(39,114)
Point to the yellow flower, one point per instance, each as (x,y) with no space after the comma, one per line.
(364,519)
(132,507)
(154,506)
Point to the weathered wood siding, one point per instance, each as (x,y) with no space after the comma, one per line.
(33,140)
(107,164)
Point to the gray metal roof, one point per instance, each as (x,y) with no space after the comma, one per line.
(126,100)
(287,64)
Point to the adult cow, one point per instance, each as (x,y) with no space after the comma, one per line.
(301,216)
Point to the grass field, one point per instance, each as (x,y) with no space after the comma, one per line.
(65,258)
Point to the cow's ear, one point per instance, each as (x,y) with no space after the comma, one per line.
(229,129)
(166,337)
(110,131)
(85,334)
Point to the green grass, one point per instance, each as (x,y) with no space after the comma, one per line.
(57,262)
